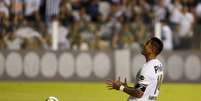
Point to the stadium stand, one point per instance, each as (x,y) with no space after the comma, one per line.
(98,24)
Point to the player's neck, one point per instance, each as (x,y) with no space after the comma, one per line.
(150,57)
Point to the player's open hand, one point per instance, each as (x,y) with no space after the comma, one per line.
(115,84)
(125,83)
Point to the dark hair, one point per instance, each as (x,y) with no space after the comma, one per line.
(158,44)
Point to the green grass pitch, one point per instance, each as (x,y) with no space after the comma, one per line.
(88,91)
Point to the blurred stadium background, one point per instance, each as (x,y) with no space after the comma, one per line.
(68,48)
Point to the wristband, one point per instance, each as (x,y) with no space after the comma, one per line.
(121,88)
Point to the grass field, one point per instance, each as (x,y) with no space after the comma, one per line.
(88,91)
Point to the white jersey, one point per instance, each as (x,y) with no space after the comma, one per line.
(150,76)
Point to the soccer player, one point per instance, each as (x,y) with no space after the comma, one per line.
(149,77)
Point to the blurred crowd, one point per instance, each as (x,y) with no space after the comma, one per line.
(97,24)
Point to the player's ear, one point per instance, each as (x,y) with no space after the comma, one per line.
(153,49)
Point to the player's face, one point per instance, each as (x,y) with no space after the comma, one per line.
(147,49)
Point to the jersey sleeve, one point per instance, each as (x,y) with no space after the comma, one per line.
(143,77)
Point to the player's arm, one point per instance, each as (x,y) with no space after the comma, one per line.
(136,91)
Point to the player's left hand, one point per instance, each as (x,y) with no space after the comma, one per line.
(125,83)
(114,84)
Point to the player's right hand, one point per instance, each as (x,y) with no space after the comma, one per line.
(114,84)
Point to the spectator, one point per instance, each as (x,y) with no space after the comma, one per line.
(160,11)
(92,9)
(46,41)
(166,33)
(167,3)
(62,37)
(127,9)
(104,9)
(13,42)
(198,12)
(83,16)
(2,42)
(125,37)
(32,43)
(4,10)
(32,9)
(4,23)
(66,18)
(52,9)
(186,28)
(175,14)
(16,11)
(76,5)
